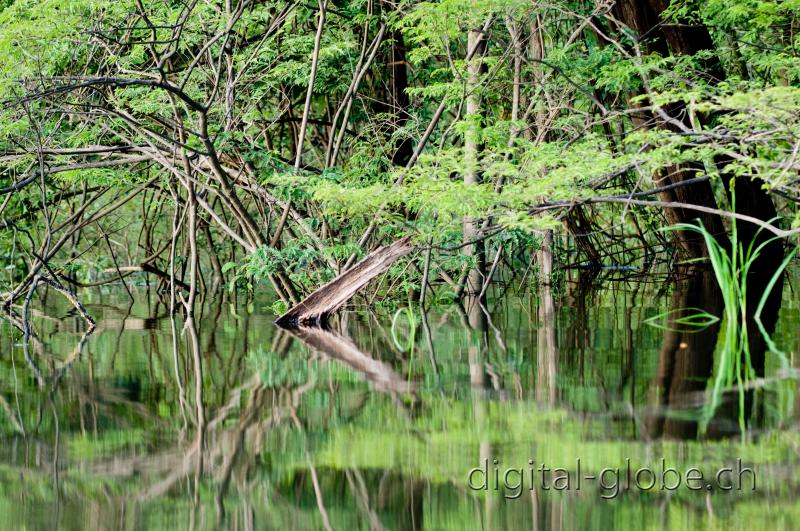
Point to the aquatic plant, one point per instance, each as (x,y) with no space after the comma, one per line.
(732,268)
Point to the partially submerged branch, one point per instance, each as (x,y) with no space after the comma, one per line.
(315,308)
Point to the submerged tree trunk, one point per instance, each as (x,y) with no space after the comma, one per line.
(546,347)
(686,362)
(686,358)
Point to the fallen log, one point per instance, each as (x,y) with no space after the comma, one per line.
(315,309)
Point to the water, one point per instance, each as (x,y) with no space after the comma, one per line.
(379,422)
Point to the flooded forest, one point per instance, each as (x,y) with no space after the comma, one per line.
(399,264)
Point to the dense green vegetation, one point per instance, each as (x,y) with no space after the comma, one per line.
(207,163)
(282,140)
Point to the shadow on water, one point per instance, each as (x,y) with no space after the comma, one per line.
(230,422)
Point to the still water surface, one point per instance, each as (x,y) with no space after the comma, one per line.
(377,423)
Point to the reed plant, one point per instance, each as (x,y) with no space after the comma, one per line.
(732,267)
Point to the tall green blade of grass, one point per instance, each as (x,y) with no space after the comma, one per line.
(731,270)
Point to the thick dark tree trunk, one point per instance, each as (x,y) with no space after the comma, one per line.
(400,102)
(747,196)
(686,359)
(643,18)
(682,39)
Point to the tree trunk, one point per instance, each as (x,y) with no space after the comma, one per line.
(472,176)
(643,18)
(315,309)
(747,196)
(400,101)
